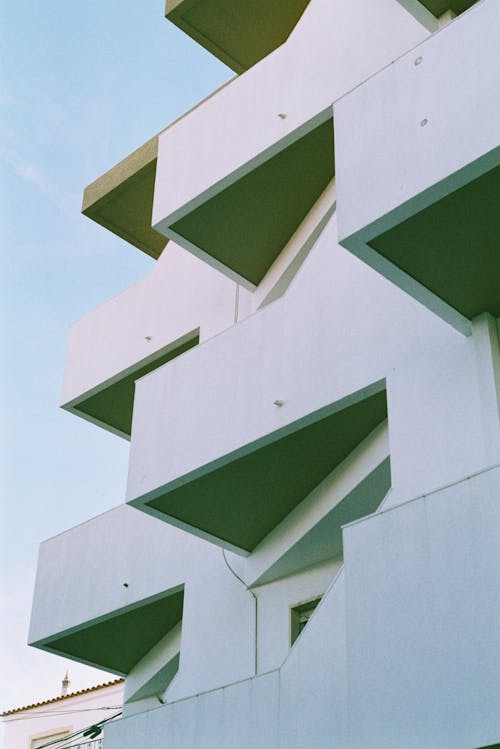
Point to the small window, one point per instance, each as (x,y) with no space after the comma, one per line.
(48,737)
(300,616)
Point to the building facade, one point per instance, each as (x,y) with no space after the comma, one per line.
(62,721)
(310,382)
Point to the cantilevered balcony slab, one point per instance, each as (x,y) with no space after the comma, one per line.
(236,176)
(268,205)
(122,199)
(119,642)
(239,34)
(238,499)
(181,302)
(439,7)
(418,176)
(312,533)
(106,606)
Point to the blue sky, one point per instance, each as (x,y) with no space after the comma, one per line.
(81,86)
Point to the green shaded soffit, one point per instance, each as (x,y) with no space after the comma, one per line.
(122,199)
(120,641)
(450,247)
(246,226)
(242,501)
(238,33)
(438,7)
(113,405)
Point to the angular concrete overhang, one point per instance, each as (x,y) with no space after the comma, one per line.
(239,34)
(223,429)
(418,176)
(122,199)
(120,641)
(180,302)
(110,405)
(152,675)
(106,605)
(312,533)
(252,160)
(267,205)
(439,7)
(238,499)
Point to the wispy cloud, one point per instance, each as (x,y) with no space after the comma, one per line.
(34,177)
(30,174)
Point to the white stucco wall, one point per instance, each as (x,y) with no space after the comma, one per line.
(301,79)
(423,641)
(338,317)
(179,296)
(388,158)
(400,651)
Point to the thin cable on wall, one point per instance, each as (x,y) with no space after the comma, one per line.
(235,574)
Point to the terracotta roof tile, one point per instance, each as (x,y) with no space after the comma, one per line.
(62,697)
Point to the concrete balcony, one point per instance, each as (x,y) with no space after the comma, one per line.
(410,611)
(251,161)
(237,499)
(268,710)
(100,604)
(227,449)
(417,173)
(180,303)
(239,35)
(230,438)
(122,199)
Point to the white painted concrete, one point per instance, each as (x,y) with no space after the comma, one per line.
(181,296)
(301,79)
(90,547)
(389,155)
(298,541)
(242,715)
(152,675)
(303,704)
(338,317)
(404,138)
(274,603)
(400,652)
(423,640)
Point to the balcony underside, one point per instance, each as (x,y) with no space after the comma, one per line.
(118,642)
(111,407)
(324,540)
(450,248)
(246,225)
(239,34)
(122,199)
(239,503)
(438,7)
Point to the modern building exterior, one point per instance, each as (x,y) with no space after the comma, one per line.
(309,379)
(62,721)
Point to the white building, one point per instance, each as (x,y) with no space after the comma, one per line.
(309,379)
(62,721)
